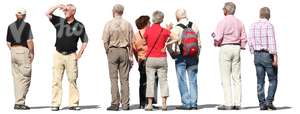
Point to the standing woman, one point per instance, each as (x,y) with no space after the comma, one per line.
(140,48)
(156,38)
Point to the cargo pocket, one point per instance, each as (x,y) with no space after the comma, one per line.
(26,70)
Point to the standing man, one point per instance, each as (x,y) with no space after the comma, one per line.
(117,37)
(185,63)
(230,36)
(262,44)
(68,32)
(20,43)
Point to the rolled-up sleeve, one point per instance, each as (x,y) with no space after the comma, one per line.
(272,43)
(243,37)
(105,35)
(219,32)
(251,39)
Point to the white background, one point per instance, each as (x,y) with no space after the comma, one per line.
(93,81)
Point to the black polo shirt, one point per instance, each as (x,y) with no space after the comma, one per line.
(67,35)
(18,33)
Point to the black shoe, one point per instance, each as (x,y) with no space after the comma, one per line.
(54,108)
(113,108)
(263,107)
(21,107)
(237,107)
(142,106)
(155,107)
(183,108)
(194,108)
(271,106)
(74,108)
(223,107)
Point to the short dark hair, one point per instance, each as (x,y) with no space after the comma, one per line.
(142,21)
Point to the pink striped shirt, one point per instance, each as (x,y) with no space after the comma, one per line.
(230,30)
(262,37)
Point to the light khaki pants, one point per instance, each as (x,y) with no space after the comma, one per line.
(157,65)
(230,67)
(21,71)
(62,63)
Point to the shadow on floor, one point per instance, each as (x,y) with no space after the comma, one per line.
(83,107)
(278,108)
(173,107)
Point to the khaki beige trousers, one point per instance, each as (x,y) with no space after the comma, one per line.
(66,63)
(21,71)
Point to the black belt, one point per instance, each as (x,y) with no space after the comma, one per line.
(231,44)
(261,51)
(119,47)
(65,52)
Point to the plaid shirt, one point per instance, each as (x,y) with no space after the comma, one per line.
(262,37)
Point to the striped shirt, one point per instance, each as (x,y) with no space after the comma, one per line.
(262,37)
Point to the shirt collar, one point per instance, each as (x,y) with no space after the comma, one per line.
(118,17)
(156,24)
(229,16)
(66,22)
(185,20)
(263,20)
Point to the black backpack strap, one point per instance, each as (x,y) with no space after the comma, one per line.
(182,25)
(190,24)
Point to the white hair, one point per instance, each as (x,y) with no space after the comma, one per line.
(72,6)
(230,8)
(181,13)
(157,17)
(118,8)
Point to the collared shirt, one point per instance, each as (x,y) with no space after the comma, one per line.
(262,37)
(67,35)
(117,33)
(177,30)
(151,36)
(18,33)
(139,45)
(230,30)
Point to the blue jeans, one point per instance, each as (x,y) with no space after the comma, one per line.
(263,64)
(189,95)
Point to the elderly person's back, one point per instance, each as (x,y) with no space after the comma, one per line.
(156,59)
(117,36)
(230,36)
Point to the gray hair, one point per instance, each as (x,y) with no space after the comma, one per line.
(72,6)
(265,13)
(118,8)
(157,17)
(180,13)
(230,8)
